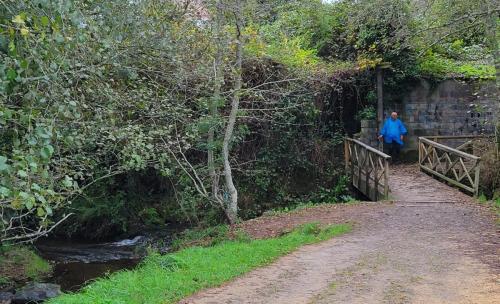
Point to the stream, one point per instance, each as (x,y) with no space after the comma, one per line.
(79,263)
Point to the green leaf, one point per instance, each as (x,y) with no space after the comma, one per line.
(43,133)
(45,20)
(40,212)
(29,204)
(4,192)
(47,151)
(11,74)
(33,166)
(19,19)
(22,173)
(36,187)
(24,64)
(67,182)
(24,195)
(3,164)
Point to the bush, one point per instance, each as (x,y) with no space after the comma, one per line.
(490,175)
(439,66)
(368,113)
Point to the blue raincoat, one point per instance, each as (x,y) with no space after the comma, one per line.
(392,131)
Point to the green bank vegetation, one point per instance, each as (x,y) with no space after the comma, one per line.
(169,278)
(20,264)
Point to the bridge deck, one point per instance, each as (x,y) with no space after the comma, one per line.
(408,184)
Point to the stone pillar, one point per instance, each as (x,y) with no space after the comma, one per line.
(368,133)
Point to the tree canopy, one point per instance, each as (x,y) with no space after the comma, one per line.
(180,93)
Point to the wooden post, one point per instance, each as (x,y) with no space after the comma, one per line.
(386,179)
(375,175)
(420,152)
(380,104)
(361,164)
(367,173)
(476,178)
(352,164)
(346,154)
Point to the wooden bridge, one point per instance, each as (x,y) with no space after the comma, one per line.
(457,166)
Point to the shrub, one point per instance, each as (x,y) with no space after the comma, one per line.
(490,174)
(367,113)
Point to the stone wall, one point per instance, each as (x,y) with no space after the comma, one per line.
(368,133)
(447,108)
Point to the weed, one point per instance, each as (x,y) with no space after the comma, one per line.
(482,198)
(201,237)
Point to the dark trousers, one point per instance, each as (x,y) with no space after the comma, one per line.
(393,149)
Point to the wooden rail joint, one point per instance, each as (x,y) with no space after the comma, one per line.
(368,169)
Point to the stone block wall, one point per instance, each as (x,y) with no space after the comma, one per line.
(368,133)
(447,108)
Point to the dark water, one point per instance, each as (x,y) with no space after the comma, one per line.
(78,263)
(74,275)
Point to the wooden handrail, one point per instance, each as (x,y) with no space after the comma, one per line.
(368,169)
(449,164)
(371,149)
(458,136)
(449,149)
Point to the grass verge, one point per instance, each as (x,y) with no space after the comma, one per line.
(493,204)
(169,278)
(302,206)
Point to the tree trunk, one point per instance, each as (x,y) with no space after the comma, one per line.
(492,36)
(218,81)
(380,103)
(232,204)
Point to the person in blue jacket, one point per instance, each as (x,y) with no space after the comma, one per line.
(393,133)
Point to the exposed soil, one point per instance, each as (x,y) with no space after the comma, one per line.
(431,244)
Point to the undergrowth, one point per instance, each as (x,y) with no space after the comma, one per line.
(439,66)
(169,278)
(19,263)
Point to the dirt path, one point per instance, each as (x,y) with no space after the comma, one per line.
(420,249)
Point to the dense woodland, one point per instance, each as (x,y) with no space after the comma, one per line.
(118,115)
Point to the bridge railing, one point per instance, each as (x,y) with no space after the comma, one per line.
(368,168)
(450,164)
(472,144)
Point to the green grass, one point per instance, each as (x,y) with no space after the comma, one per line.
(169,278)
(482,198)
(494,204)
(209,236)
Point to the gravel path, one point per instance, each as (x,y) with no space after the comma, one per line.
(432,245)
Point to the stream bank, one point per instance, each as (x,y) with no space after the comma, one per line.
(65,265)
(78,262)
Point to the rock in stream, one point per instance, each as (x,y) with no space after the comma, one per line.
(35,293)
